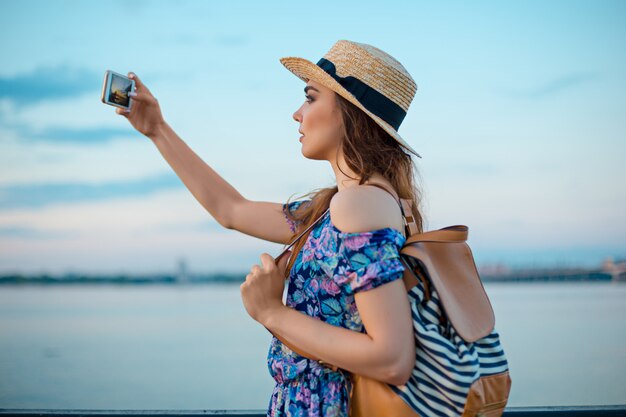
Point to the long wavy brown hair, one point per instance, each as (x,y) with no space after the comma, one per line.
(367,149)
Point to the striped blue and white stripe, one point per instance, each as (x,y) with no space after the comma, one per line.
(446,365)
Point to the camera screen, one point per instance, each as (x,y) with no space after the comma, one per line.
(120,87)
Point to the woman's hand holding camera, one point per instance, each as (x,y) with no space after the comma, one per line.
(145,113)
(262,292)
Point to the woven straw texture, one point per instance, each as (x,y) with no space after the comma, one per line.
(369,64)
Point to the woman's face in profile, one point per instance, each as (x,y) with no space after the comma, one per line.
(320,122)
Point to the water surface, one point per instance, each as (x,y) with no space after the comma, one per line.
(194,347)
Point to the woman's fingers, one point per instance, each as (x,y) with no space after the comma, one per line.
(267,261)
(146,115)
(123,112)
(133,76)
(267,264)
(141,93)
(138,83)
(140,96)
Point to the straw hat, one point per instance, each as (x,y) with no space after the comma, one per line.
(369,78)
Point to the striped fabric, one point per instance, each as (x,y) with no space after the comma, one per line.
(446,365)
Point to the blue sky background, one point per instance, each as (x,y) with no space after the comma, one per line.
(519,118)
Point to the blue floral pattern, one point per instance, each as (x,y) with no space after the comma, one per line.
(331,267)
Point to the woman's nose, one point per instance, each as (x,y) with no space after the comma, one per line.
(297,115)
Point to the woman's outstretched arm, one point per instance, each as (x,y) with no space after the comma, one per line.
(264,220)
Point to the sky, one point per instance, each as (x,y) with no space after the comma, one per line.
(519,116)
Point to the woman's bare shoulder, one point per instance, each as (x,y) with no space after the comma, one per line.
(363,208)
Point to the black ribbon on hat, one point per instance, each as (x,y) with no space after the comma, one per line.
(370,98)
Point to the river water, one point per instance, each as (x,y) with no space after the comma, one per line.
(194,347)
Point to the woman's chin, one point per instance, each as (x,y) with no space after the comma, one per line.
(315,152)
(308,154)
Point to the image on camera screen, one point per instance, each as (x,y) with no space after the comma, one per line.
(120,87)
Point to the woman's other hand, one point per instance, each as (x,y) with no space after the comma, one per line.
(145,113)
(262,292)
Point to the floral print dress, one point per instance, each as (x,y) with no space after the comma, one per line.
(331,267)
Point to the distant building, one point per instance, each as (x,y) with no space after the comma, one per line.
(182,275)
(617,269)
(493,269)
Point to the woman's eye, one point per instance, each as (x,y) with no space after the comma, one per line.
(309,98)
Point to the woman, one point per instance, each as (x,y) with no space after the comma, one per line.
(345,275)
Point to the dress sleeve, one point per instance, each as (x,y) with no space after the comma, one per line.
(291,208)
(369,259)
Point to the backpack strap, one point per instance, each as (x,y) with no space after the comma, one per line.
(293,242)
(407,213)
(456,233)
(443,260)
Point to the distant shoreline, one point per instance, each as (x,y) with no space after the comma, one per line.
(527,275)
(47,279)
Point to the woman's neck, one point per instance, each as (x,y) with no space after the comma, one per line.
(345,177)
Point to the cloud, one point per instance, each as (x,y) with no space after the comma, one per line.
(47,83)
(203,226)
(81,136)
(32,233)
(231,40)
(177,39)
(42,194)
(557,85)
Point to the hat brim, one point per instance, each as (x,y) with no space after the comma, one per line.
(306,70)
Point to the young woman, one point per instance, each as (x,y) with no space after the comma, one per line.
(347,309)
